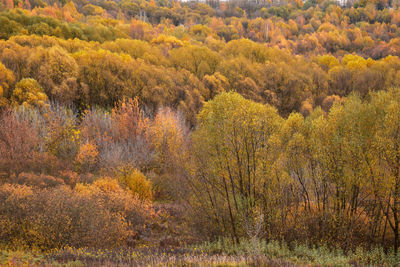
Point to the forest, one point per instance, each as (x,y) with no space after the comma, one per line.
(216,133)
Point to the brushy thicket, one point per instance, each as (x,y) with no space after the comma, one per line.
(83,182)
(99,215)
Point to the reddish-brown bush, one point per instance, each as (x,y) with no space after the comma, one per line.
(31,179)
(19,142)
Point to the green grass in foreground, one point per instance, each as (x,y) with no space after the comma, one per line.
(218,253)
(300,254)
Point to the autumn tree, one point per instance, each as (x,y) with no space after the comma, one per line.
(169,137)
(57,72)
(198,60)
(387,144)
(19,144)
(6,82)
(232,147)
(29,93)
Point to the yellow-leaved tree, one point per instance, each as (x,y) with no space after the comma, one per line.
(387,145)
(234,173)
(6,80)
(169,138)
(28,92)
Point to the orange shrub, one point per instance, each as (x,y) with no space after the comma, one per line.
(87,157)
(99,215)
(137,183)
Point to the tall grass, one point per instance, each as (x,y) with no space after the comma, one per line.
(299,253)
(222,252)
